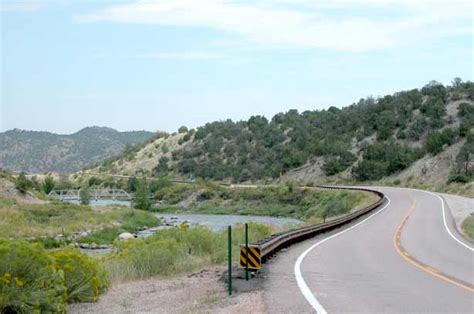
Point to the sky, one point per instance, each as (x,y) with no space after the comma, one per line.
(157,65)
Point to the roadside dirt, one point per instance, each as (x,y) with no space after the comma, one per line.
(200,292)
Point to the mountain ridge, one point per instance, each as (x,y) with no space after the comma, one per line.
(44,151)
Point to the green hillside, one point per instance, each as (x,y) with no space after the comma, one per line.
(368,140)
(34,152)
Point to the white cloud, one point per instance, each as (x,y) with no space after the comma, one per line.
(184,56)
(304,24)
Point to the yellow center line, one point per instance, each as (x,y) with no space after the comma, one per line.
(404,254)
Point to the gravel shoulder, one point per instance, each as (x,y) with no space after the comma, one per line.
(200,292)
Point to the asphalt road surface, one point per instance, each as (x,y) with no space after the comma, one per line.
(404,258)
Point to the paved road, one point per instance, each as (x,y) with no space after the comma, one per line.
(369,269)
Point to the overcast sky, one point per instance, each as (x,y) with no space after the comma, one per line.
(157,65)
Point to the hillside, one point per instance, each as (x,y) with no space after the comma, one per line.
(430,129)
(36,152)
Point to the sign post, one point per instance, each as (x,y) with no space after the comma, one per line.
(246,252)
(229,238)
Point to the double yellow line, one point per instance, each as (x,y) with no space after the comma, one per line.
(396,240)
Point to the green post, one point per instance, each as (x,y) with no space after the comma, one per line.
(246,252)
(229,234)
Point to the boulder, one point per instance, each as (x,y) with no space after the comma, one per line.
(125,236)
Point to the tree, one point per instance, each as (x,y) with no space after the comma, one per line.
(48,184)
(85,195)
(94,181)
(437,140)
(22,183)
(457,82)
(465,157)
(162,167)
(183,129)
(132,184)
(142,195)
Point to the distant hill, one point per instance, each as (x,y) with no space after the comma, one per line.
(424,135)
(37,152)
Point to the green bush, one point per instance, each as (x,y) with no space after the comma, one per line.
(468,226)
(176,250)
(83,278)
(85,195)
(459,178)
(144,258)
(29,282)
(22,183)
(48,184)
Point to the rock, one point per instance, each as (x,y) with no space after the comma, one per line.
(93,246)
(84,245)
(82,234)
(125,236)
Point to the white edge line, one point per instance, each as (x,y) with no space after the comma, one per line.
(446,224)
(305,290)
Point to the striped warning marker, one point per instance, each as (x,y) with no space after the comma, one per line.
(254,257)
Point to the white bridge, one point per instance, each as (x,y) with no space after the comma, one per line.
(94,194)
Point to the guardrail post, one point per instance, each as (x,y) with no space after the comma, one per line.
(229,238)
(246,252)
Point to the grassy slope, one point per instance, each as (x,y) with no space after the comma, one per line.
(304,203)
(468,227)
(19,220)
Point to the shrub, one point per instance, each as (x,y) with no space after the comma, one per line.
(176,250)
(437,140)
(459,178)
(142,200)
(144,258)
(22,183)
(85,195)
(29,281)
(104,236)
(84,281)
(48,184)
(183,129)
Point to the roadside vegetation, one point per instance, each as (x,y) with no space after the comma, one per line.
(44,221)
(48,273)
(311,205)
(174,251)
(468,227)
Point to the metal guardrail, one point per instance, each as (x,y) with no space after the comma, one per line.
(280,240)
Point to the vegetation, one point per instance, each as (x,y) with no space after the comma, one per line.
(83,277)
(22,183)
(85,195)
(142,195)
(48,184)
(406,126)
(383,159)
(34,220)
(33,280)
(29,282)
(289,200)
(175,250)
(468,227)
(31,151)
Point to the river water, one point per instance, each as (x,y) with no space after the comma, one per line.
(219,222)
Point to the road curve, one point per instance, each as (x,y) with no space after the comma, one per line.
(402,259)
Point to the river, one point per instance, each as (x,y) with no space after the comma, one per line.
(219,222)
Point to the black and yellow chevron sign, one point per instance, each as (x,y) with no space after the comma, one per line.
(254,257)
